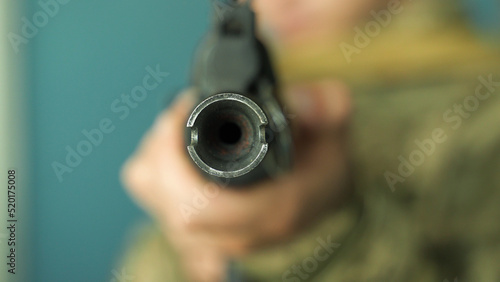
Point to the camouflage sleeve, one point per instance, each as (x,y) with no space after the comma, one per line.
(459,204)
(149,258)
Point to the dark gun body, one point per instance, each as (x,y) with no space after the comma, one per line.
(238,132)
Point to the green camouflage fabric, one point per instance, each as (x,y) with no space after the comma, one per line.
(426,207)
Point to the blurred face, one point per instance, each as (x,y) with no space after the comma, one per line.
(292,21)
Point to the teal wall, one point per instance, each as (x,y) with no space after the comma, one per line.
(85,57)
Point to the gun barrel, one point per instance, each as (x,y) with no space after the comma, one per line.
(238,133)
(227,135)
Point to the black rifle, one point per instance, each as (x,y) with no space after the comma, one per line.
(238,133)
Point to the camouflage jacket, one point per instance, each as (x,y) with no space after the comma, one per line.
(426,171)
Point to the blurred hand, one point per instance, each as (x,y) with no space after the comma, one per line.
(162,178)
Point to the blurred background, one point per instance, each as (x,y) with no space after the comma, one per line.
(64,80)
(67,78)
